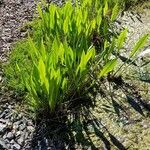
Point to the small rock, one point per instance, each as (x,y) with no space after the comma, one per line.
(8,116)
(3,128)
(16,146)
(12,142)
(9,125)
(2,115)
(10,136)
(22,127)
(4,121)
(18,133)
(3,145)
(29,123)
(21,140)
(15,127)
(19,117)
(30,128)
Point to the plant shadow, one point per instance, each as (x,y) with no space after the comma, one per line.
(73,128)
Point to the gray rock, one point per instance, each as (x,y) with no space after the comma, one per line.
(30,128)
(3,145)
(8,116)
(3,128)
(12,141)
(18,133)
(4,121)
(10,136)
(21,140)
(3,114)
(22,127)
(16,146)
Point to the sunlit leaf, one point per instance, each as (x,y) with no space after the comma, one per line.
(142,41)
(108,67)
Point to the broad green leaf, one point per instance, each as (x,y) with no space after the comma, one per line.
(108,67)
(139,45)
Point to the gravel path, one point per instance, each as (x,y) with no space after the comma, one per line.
(13,14)
(138,24)
(16,130)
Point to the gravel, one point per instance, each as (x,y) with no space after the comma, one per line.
(13,14)
(17,132)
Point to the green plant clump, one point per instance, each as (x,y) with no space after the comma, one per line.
(73,41)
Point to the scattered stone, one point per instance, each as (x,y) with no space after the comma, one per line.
(3,128)
(10,136)
(16,146)
(30,128)
(18,133)
(21,140)
(22,127)
(3,145)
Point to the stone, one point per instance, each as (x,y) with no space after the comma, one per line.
(30,128)
(10,136)
(3,128)
(21,140)
(16,146)
(12,141)
(4,121)
(3,145)
(22,127)
(18,133)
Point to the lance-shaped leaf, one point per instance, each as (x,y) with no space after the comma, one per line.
(139,45)
(115,12)
(108,67)
(121,39)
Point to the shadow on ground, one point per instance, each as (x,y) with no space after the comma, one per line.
(75,128)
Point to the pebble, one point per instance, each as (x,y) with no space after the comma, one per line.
(18,133)
(10,136)
(16,146)
(30,128)
(3,128)
(21,140)
(3,145)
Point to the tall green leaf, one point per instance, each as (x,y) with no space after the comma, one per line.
(115,12)
(121,39)
(139,45)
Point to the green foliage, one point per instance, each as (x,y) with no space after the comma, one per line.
(68,42)
(20,56)
(62,60)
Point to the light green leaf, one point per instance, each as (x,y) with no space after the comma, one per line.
(40,11)
(115,12)
(139,45)
(105,10)
(65,25)
(42,71)
(108,67)
(121,39)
